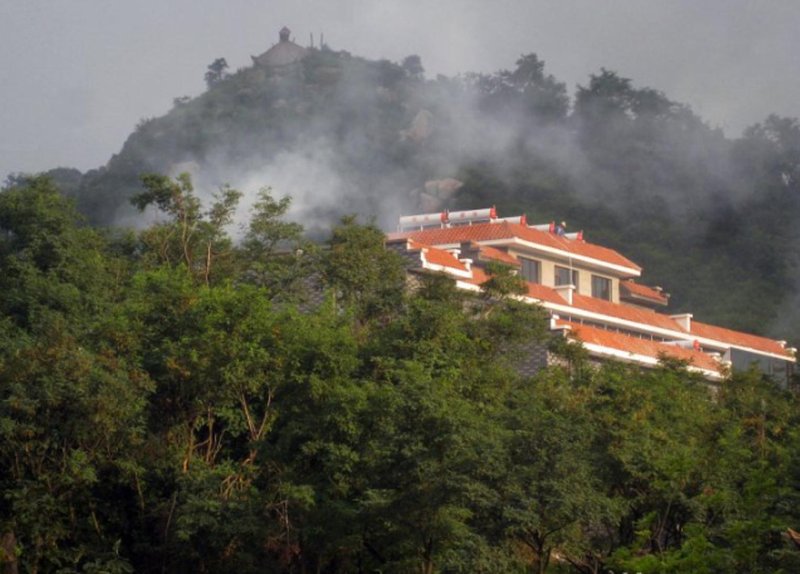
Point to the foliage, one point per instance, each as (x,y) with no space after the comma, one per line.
(367,277)
(71,401)
(153,419)
(191,238)
(274,254)
(502,281)
(216,72)
(526,90)
(412,65)
(164,406)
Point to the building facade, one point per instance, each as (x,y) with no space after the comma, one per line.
(592,293)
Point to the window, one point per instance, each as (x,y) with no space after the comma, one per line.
(601,287)
(530,269)
(566,276)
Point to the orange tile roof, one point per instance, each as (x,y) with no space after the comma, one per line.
(506,230)
(540,292)
(438,256)
(649,318)
(644,317)
(628,313)
(547,294)
(643,291)
(479,276)
(739,339)
(645,347)
(496,254)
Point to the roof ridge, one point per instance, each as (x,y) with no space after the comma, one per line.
(507,230)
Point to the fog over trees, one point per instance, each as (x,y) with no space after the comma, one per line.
(637,171)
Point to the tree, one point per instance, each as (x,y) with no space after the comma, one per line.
(553,498)
(412,65)
(365,275)
(771,149)
(273,253)
(543,96)
(311,459)
(52,265)
(221,360)
(216,72)
(653,427)
(526,90)
(434,448)
(503,282)
(71,398)
(190,237)
(607,97)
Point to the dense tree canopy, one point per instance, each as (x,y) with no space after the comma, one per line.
(157,417)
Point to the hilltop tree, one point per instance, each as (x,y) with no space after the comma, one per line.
(771,149)
(412,65)
(217,71)
(543,96)
(526,90)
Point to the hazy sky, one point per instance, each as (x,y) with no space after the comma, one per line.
(77,75)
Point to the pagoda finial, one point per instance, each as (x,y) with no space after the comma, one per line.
(284,34)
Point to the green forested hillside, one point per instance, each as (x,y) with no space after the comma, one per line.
(174,401)
(710,218)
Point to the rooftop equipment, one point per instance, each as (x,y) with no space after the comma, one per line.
(444,219)
(469,217)
(520,219)
(423,221)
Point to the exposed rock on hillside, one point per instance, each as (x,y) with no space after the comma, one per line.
(436,193)
(420,129)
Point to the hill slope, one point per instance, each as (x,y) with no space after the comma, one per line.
(713,220)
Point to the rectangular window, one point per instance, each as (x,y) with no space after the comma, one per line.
(531,270)
(566,276)
(601,287)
